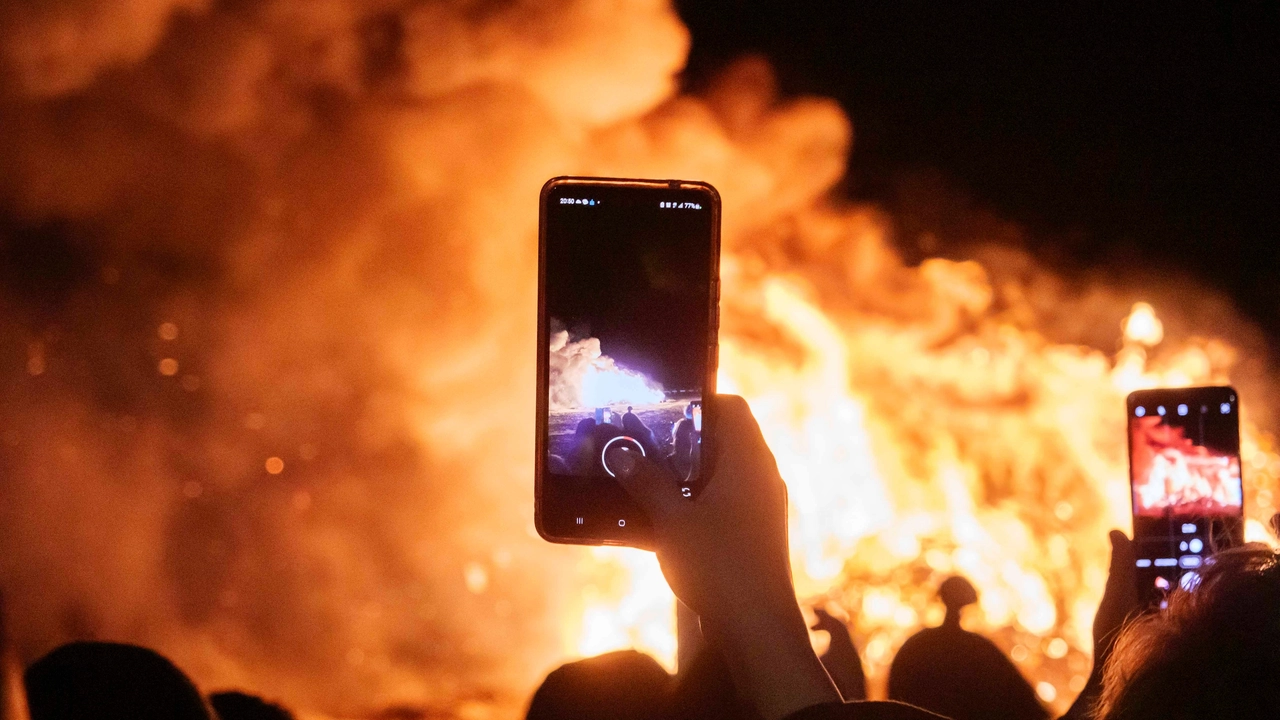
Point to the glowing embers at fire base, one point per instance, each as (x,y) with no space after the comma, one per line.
(1173,473)
(583,377)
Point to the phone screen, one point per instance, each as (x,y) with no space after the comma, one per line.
(628,325)
(1184,468)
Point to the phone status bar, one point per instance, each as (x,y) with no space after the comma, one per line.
(663,204)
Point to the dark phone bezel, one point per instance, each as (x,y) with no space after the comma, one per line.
(1170,396)
(631,538)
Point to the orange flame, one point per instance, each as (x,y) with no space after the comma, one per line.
(864,511)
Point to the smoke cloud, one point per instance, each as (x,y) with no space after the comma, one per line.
(269,272)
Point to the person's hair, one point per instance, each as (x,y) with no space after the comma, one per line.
(110,681)
(622,685)
(1214,652)
(236,705)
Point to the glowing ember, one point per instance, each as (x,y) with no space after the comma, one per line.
(1142,325)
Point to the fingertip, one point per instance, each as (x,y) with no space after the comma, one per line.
(730,400)
(1121,541)
(622,462)
(633,472)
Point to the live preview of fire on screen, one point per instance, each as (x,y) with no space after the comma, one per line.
(1187,490)
(627,290)
(1186,462)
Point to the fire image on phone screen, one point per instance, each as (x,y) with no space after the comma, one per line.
(1184,460)
(628,313)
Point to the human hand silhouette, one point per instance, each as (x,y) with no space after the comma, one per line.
(729,545)
(828,622)
(725,555)
(1119,603)
(841,660)
(1119,600)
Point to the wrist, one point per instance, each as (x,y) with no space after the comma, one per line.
(766,645)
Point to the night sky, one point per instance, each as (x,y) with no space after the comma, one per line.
(1135,140)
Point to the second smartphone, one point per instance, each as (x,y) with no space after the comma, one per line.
(627,325)
(1184,471)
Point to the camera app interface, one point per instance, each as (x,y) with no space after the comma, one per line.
(1187,491)
(627,290)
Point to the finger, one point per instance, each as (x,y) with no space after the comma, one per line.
(824,618)
(818,620)
(1122,552)
(735,425)
(1122,574)
(737,435)
(643,481)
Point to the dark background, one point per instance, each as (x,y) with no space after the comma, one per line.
(1135,138)
(635,276)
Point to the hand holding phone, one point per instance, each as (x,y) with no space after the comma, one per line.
(627,323)
(726,556)
(1184,470)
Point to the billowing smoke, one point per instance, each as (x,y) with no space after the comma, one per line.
(267,324)
(269,272)
(581,376)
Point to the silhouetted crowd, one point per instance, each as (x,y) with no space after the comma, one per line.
(676,447)
(1213,652)
(113,681)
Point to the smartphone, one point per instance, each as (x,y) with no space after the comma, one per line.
(1187,490)
(628,316)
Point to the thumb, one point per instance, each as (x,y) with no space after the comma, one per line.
(1122,555)
(1122,576)
(1120,598)
(642,480)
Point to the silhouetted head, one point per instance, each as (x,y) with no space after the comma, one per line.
(109,681)
(557,464)
(1213,653)
(682,433)
(635,426)
(585,426)
(706,691)
(957,592)
(623,685)
(235,705)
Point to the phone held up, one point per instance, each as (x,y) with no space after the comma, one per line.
(628,292)
(1184,471)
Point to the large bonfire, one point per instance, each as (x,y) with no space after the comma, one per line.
(268,404)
